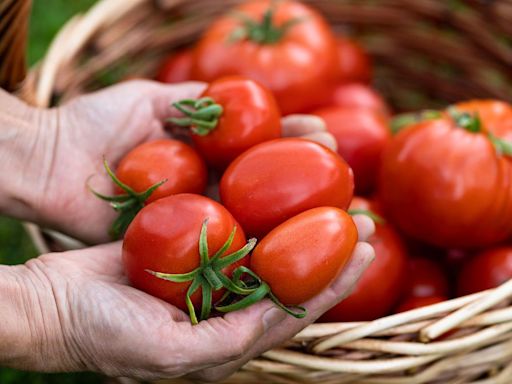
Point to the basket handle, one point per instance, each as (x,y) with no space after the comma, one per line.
(14,22)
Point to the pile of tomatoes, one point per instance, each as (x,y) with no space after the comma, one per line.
(439,186)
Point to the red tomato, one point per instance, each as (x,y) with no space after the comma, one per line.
(279,179)
(381,285)
(358,96)
(154,161)
(418,302)
(164,237)
(250,116)
(176,68)
(298,62)
(426,278)
(362,135)
(486,270)
(447,185)
(302,256)
(355,64)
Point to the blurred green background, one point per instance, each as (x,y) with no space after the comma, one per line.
(48,16)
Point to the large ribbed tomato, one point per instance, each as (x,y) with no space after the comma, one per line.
(448,181)
(381,286)
(285,45)
(279,179)
(303,255)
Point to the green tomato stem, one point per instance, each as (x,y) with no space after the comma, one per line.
(201,115)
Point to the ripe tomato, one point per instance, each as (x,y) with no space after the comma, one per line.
(426,278)
(154,161)
(284,45)
(448,185)
(362,135)
(418,302)
(358,96)
(381,285)
(302,256)
(164,237)
(485,270)
(355,64)
(279,179)
(248,116)
(176,68)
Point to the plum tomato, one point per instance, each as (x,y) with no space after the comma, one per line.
(279,179)
(355,64)
(357,95)
(176,68)
(418,302)
(425,278)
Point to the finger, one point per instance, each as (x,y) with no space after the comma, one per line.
(365,226)
(281,327)
(299,125)
(324,138)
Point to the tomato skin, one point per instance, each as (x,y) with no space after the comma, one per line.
(486,270)
(176,68)
(279,179)
(357,95)
(157,160)
(381,286)
(355,64)
(446,186)
(362,135)
(496,115)
(299,69)
(164,237)
(418,302)
(426,278)
(302,256)
(250,117)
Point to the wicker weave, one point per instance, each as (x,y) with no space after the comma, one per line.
(427,53)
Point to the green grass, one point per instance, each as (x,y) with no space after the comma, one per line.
(48,16)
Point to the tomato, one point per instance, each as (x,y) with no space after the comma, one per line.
(426,278)
(248,115)
(487,269)
(355,64)
(154,161)
(176,68)
(448,185)
(418,302)
(496,115)
(285,45)
(302,256)
(362,135)
(279,179)
(381,285)
(164,237)
(358,96)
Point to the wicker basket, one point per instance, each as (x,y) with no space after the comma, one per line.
(427,53)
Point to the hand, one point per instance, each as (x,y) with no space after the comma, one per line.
(84,316)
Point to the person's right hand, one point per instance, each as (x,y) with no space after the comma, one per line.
(79,313)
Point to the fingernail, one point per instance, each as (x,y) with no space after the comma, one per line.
(272,317)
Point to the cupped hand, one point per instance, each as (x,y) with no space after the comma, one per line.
(85,316)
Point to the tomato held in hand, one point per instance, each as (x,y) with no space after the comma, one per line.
(285,45)
(448,181)
(232,115)
(355,64)
(358,96)
(425,278)
(418,302)
(164,238)
(176,68)
(279,179)
(361,135)
(381,285)
(165,159)
(302,256)
(485,270)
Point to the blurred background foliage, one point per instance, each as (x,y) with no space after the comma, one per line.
(48,16)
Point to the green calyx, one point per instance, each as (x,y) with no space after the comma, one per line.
(264,31)
(377,219)
(201,115)
(503,147)
(404,120)
(209,277)
(127,204)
